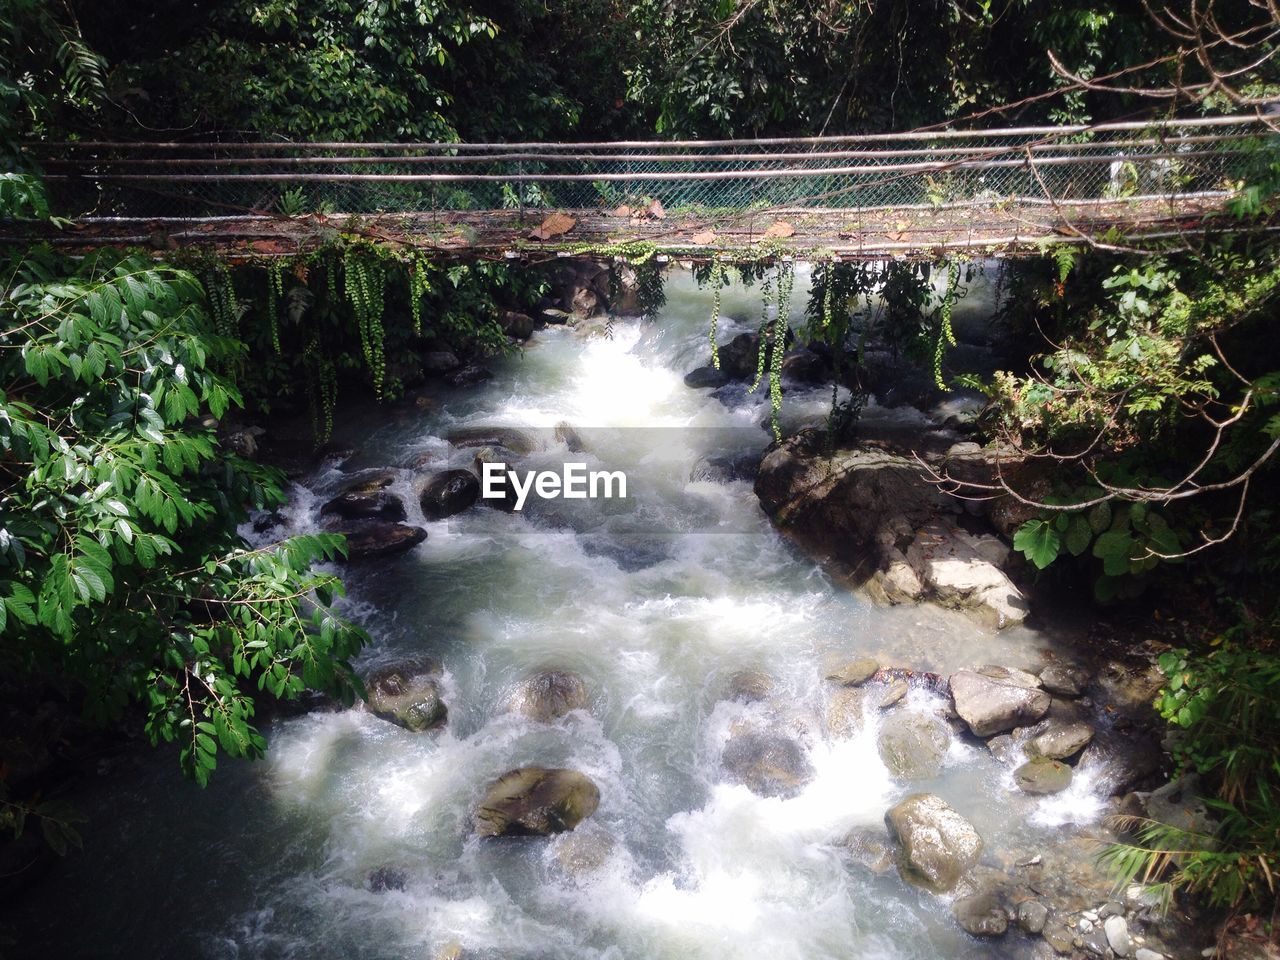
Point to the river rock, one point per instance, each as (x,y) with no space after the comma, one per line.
(1043,775)
(912,745)
(993,700)
(892,693)
(1032,915)
(516,324)
(585,851)
(768,763)
(437,362)
(1119,764)
(869,847)
(408,695)
(854,673)
(1064,679)
(371,481)
(981,915)
(961,570)
(449,492)
(1118,939)
(379,538)
(739,357)
(517,441)
(468,376)
(375,505)
(701,378)
(845,714)
(548,695)
(1129,688)
(1060,740)
(568,434)
(936,846)
(749,686)
(535,801)
(807,368)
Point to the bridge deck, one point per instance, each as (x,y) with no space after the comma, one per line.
(987,192)
(1004,231)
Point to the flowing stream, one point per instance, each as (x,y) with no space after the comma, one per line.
(655,601)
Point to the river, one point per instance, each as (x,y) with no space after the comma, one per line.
(656,601)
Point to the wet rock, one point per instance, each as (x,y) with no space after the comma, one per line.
(1060,740)
(383,879)
(724,469)
(1059,936)
(1032,915)
(768,763)
(981,915)
(936,846)
(853,673)
(1129,689)
(408,695)
(568,434)
(1003,747)
(548,695)
(585,303)
(1064,679)
(517,324)
(1121,764)
(892,693)
(1043,775)
(535,801)
(448,493)
(437,362)
(1178,803)
(844,713)
(378,538)
(376,504)
(509,438)
(584,851)
(1144,953)
(869,847)
(555,316)
(996,699)
(854,506)
(371,481)
(960,570)
(749,686)
(705,377)
(468,376)
(912,745)
(739,356)
(806,367)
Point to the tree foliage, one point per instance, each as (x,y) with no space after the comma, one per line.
(122,574)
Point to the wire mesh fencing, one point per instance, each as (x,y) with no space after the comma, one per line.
(1108,163)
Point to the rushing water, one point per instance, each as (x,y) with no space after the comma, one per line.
(655,601)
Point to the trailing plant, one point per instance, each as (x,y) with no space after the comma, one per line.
(365,279)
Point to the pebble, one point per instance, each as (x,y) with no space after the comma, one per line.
(1117,930)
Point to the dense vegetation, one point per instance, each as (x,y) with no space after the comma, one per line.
(1152,407)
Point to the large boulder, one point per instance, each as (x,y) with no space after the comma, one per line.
(960,570)
(740,357)
(548,695)
(535,801)
(705,377)
(768,763)
(859,507)
(408,695)
(519,442)
(913,745)
(994,700)
(449,492)
(936,846)
(879,516)
(372,539)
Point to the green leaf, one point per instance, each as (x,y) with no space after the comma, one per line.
(1038,541)
(1079,535)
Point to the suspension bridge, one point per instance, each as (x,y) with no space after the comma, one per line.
(987,192)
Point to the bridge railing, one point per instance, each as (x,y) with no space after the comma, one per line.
(926,170)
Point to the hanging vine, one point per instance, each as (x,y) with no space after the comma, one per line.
(222,301)
(365,281)
(781,325)
(717,281)
(419,287)
(946,336)
(275,293)
(322,392)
